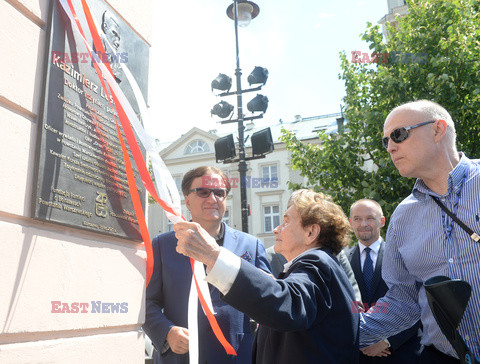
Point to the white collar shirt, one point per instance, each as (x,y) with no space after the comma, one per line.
(375,248)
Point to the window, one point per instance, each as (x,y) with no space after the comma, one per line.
(197,146)
(169,225)
(270,174)
(178,183)
(271,218)
(226,217)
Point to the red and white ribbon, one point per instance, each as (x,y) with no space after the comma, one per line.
(170,200)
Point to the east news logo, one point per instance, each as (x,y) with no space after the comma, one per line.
(92,307)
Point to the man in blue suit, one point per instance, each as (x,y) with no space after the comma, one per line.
(366,219)
(205,190)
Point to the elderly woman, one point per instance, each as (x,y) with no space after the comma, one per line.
(306,314)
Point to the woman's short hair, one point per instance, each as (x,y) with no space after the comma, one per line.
(200,172)
(318,208)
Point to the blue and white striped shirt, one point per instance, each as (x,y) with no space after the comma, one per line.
(419,246)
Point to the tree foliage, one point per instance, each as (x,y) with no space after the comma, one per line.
(434,54)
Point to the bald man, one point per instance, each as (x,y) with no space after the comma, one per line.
(422,240)
(366,219)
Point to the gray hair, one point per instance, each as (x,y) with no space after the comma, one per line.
(432,111)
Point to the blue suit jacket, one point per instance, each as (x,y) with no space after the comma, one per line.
(305,315)
(167,301)
(404,345)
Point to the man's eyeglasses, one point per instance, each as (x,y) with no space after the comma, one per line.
(204,192)
(401,134)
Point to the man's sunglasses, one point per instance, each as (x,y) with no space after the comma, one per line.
(401,134)
(204,192)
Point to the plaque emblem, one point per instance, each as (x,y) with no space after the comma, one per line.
(101,204)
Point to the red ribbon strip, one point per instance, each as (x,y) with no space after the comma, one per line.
(128,167)
(126,126)
(145,176)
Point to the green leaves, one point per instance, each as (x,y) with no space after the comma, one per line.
(434,54)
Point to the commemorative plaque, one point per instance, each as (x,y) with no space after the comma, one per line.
(81,177)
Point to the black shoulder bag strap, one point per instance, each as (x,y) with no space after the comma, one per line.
(469,231)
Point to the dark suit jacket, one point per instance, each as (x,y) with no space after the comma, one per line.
(167,301)
(403,345)
(305,315)
(276,260)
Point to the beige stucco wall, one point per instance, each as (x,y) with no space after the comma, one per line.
(44,262)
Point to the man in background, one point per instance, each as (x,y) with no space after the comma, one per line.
(366,219)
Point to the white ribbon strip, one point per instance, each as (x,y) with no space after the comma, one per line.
(193,324)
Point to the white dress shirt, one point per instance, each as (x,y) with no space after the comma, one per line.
(375,248)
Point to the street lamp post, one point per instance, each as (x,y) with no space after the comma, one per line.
(241,12)
(242,165)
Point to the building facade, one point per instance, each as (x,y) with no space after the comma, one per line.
(395,8)
(267,178)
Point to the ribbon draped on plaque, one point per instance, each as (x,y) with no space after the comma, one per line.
(168,196)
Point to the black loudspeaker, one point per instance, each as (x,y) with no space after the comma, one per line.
(223,109)
(262,142)
(258,75)
(222,82)
(258,103)
(225,148)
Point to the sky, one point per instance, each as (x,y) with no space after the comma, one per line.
(297,41)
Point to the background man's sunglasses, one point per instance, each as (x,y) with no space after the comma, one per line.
(205,192)
(401,134)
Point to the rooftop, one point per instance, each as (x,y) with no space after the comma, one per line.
(303,128)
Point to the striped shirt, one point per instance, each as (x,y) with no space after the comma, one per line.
(422,242)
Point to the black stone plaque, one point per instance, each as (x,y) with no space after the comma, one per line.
(81,178)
